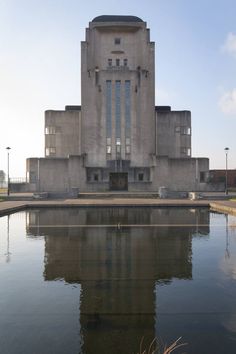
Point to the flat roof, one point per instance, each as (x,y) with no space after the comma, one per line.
(117,18)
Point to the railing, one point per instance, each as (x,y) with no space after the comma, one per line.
(18,180)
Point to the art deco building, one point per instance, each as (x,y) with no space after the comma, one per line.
(117,139)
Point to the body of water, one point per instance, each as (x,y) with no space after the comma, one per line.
(98,280)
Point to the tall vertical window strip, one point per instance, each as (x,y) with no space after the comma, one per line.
(108,108)
(127,109)
(117,108)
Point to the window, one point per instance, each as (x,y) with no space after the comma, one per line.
(177,129)
(108,149)
(127,141)
(117,141)
(50,130)
(140,176)
(50,151)
(108,141)
(127,116)
(108,108)
(202,177)
(185,130)
(117,62)
(117,41)
(185,151)
(118,108)
(125,62)
(109,62)
(95,177)
(127,149)
(118,149)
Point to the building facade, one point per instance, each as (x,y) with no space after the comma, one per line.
(117,139)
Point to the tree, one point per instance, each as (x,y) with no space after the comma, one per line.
(2,178)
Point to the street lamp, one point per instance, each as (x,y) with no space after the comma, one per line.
(8,178)
(226,170)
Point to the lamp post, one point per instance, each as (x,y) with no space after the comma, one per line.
(226,170)
(8,178)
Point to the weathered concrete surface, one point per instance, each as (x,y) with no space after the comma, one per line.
(224,206)
(228,207)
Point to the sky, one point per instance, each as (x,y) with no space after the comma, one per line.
(195,64)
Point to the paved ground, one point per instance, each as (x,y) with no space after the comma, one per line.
(227,206)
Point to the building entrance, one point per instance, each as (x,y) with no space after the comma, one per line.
(118,181)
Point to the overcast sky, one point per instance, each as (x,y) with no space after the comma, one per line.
(40,68)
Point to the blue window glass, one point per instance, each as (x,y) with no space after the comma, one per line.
(127,109)
(108,108)
(117,108)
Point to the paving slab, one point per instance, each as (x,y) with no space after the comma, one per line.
(7,207)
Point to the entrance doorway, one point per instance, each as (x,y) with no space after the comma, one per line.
(118,181)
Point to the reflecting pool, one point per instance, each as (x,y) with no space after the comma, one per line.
(97,280)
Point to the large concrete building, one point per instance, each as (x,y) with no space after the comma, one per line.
(117,139)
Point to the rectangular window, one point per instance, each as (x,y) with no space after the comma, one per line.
(118,108)
(125,62)
(127,116)
(202,177)
(108,149)
(127,141)
(95,177)
(185,130)
(50,130)
(117,62)
(118,149)
(185,151)
(108,108)
(50,151)
(127,149)
(140,176)
(177,129)
(108,141)
(109,62)
(117,41)
(117,141)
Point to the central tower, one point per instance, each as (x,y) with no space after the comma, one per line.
(118,96)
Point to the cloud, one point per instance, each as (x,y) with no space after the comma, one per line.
(230,44)
(227,102)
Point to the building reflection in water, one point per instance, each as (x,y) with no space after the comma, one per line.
(117,256)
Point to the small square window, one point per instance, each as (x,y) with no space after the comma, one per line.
(117,41)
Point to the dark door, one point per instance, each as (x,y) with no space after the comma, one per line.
(119,181)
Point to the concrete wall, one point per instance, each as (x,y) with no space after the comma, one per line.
(173,133)
(62,133)
(139,51)
(49,174)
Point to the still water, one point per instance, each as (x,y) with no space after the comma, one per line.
(95,281)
